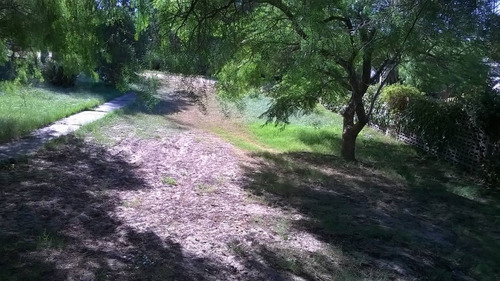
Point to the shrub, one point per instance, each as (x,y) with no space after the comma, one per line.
(484,111)
(437,122)
(9,87)
(441,125)
(398,96)
(56,75)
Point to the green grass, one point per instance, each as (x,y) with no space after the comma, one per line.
(168,181)
(320,132)
(295,138)
(23,109)
(238,141)
(205,188)
(252,108)
(48,240)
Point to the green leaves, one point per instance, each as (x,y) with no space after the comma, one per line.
(398,97)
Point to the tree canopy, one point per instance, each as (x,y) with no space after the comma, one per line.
(82,36)
(298,52)
(304,52)
(65,28)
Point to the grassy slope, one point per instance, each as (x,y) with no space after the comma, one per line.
(320,132)
(25,109)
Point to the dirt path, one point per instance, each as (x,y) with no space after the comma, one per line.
(144,209)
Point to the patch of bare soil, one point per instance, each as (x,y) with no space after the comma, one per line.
(204,112)
(169,209)
(197,201)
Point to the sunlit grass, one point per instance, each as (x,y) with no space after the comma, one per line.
(297,138)
(23,109)
(238,140)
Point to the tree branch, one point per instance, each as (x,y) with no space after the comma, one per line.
(396,60)
(280,5)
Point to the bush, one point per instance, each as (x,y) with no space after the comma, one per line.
(9,87)
(484,111)
(120,55)
(436,122)
(440,124)
(398,96)
(55,75)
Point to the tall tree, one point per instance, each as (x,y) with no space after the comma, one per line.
(309,51)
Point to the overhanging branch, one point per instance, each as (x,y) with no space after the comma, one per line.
(280,5)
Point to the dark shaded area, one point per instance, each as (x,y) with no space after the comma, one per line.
(57,222)
(414,229)
(418,168)
(83,85)
(174,102)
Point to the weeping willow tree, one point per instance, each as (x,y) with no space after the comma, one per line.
(82,36)
(65,28)
(301,52)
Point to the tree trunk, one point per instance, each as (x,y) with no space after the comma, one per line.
(351,129)
(348,151)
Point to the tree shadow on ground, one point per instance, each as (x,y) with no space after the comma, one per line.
(382,225)
(57,221)
(415,168)
(100,89)
(167,103)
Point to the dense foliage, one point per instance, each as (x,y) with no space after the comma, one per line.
(65,28)
(303,52)
(398,96)
(298,53)
(64,38)
(468,123)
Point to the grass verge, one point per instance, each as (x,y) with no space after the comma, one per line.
(23,109)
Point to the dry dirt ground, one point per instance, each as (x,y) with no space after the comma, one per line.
(189,206)
(143,209)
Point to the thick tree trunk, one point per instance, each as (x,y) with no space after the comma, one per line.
(351,129)
(355,108)
(348,151)
(349,135)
